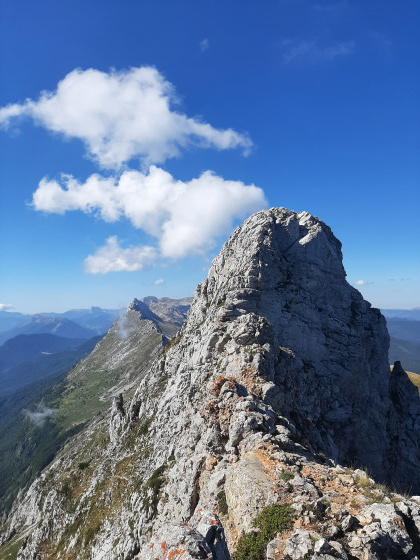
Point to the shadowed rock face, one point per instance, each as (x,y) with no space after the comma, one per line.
(281,366)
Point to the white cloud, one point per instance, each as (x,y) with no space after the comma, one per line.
(185,217)
(312,51)
(5,306)
(159,281)
(122,115)
(362,283)
(204,45)
(113,258)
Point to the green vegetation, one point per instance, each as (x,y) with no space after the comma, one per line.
(270,521)
(144,427)
(155,483)
(9,550)
(91,533)
(375,493)
(25,448)
(223,505)
(287,475)
(79,398)
(173,342)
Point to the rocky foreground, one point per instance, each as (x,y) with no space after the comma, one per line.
(248,434)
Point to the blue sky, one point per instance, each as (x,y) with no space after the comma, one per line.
(135,135)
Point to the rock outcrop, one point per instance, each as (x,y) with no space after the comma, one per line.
(279,376)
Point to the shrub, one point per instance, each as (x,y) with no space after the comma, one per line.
(270,521)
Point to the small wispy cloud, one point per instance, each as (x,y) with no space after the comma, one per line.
(5,306)
(39,417)
(124,328)
(113,258)
(204,45)
(362,283)
(159,281)
(311,51)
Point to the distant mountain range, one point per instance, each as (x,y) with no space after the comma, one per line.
(404,329)
(95,319)
(413,314)
(405,342)
(76,323)
(33,347)
(39,324)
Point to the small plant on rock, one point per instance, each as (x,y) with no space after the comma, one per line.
(287,476)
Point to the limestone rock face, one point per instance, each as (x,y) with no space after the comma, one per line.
(279,374)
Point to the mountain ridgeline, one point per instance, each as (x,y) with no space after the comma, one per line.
(247,433)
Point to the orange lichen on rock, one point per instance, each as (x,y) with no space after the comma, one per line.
(251,380)
(177,552)
(269,463)
(220,381)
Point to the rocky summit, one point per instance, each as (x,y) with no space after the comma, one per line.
(270,426)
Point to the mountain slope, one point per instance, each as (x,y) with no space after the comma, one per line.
(404,329)
(404,342)
(11,319)
(29,437)
(38,419)
(406,352)
(47,366)
(119,361)
(410,314)
(279,374)
(28,347)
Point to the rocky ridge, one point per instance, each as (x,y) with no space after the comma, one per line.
(278,377)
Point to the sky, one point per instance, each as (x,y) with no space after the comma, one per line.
(135,135)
